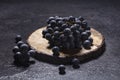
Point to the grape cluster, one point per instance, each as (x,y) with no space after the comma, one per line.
(22,53)
(68,32)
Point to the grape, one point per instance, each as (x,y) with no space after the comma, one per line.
(56,29)
(87,44)
(44,32)
(64,26)
(18,38)
(48,36)
(53,23)
(31,52)
(20,43)
(80,30)
(17,59)
(84,35)
(73,28)
(77,26)
(55,50)
(81,18)
(91,40)
(50,18)
(67,31)
(76,35)
(75,63)
(49,26)
(60,23)
(15,49)
(78,22)
(62,38)
(62,69)
(87,28)
(84,24)
(56,34)
(71,19)
(50,30)
(24,48)
(88,32)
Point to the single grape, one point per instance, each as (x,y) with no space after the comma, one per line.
(71,19)
(56,34)
(73,28)
(24,48)
(50,30)
(48,36)
(53,23)
(75,63)
(55,50)
(84,35)
(56,29)
(15,49)
(84,24)
(87,44)
(81,18)
(20,43)
(67,31)
(18,38)
(88,32)
(62,69)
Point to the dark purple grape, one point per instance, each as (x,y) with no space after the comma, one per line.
(53,23)
(91,40)
(49,26)
(71,19)
(50,18)
(50,30)
(88,32)
(77,26)
(56,29)
(84,24)
(55,50)
(48,36)
(63,38)
(87,28)
(84,35)
(44,32)
(81,18)
(78,22)
(15,49)
(56,34)
(87,44)
(60,23)
(75,63)
(67,31)
(80,30)
(62,69)
(17,59)
(20,43)
(73,28)
(24,48)
(31,52)
(18,38)
(64,26)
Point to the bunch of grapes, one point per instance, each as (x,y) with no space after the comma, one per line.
(68,33)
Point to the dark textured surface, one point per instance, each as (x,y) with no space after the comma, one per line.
(23,17)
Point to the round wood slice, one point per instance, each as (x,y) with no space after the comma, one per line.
(40,44)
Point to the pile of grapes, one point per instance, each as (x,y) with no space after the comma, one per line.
(68,33)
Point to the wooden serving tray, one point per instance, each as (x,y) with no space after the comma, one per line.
(40,44)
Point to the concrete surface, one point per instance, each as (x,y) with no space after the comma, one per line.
(23,17)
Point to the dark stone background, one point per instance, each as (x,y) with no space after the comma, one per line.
(23,17)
